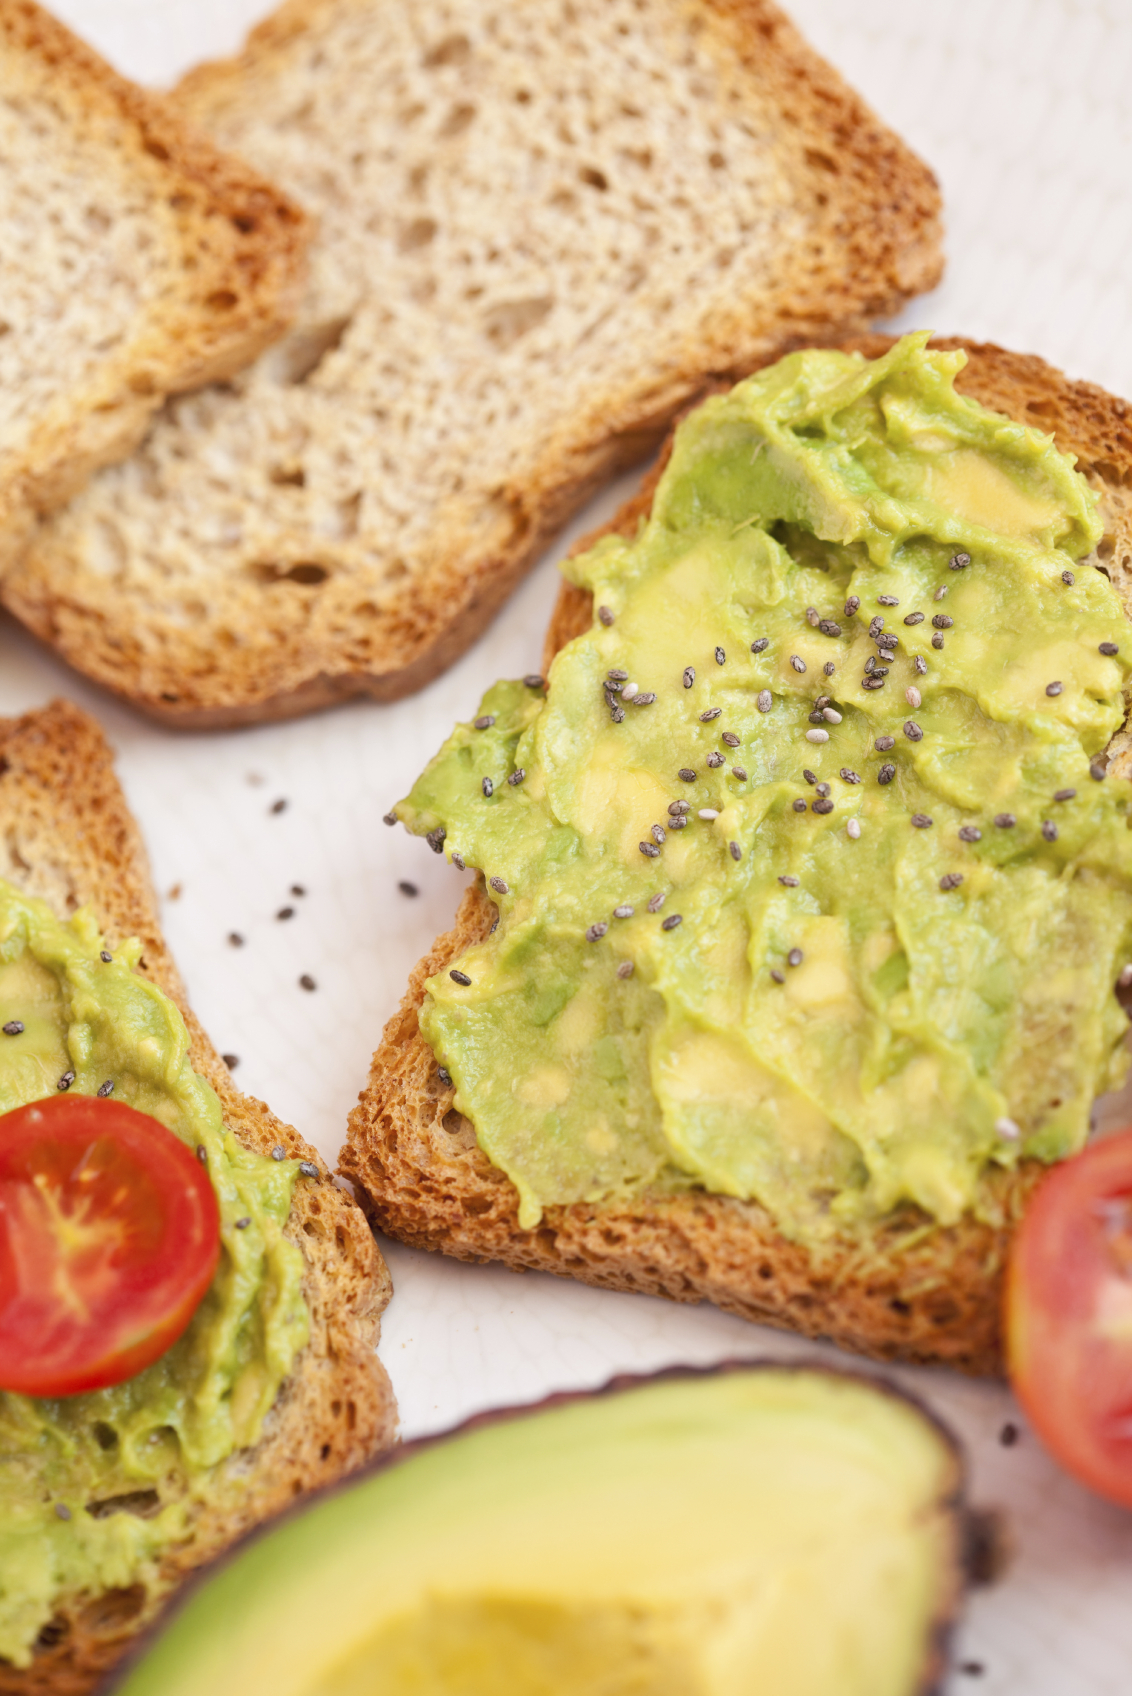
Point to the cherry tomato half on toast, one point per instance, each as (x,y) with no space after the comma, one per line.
(109,1238)
(1069,1315)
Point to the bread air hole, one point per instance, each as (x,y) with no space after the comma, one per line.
(308,572)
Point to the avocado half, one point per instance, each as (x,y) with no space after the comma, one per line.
(748,1529)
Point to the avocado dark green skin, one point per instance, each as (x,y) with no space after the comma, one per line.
(961,1574)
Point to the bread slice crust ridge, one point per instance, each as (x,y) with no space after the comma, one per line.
(911,1290)
(373,580)
(207,271)
(67,836)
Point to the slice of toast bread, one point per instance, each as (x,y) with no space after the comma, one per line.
(66,836)
(911,1290)
(541,228)
(136,262)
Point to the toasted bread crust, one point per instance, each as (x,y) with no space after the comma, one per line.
(873,241)
(66,835)
(911,1290)
(238,248)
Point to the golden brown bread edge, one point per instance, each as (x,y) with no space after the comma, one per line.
(244,248)
(877,243)
(67,835)
(911,1290)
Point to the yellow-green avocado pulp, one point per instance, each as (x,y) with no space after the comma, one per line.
(811,889)
(94,1487)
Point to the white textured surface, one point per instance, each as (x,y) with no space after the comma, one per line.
(1021,106)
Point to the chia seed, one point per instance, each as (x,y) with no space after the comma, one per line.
(498,885)
(461,978)
(914,618)
(875,681)
(534,680)
(517,777)
(1064,794)
(623,912)
(736,851)
(644,700)
(799,805)
(65,1081)
(921,821)
(729,737)
(828,628)
(675,807)
(686,774)
(808,775)
(488,788)
(307,982)
(959,562)
(937,641)
(279,1152)
(308,1169)
(625,969)
(789,880)
(851,605)
(760,644)
(107,1088)
(1068,577)
(445,1076)
(656,902)
(1098,771)
(951,880)
(436,839)
(712,712)
(795,957)
(849,776)
(1049,830)
(649,848)
(887,601)
(970,833)
(797,662)
(739,772)
(605,615)
(886,774)
(714,760)
(485,721)
(912,731)
(764,701)
(884,743)
(942,622)
(853,829)
(1109,648)
(596,932)
(1053,688)
(720,657)
(407,888)
(921,665)
(778,977)
(672,921)
(823,806)
(1005,821)
(14,1027)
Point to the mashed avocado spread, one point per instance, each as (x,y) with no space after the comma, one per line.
(94,1487)
(811,888)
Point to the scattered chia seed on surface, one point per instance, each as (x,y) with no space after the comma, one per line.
(759,645)
(689,676)
(672,921)
(942,622)
(646,699)
(885,642)
(912,731)
(799,805)
(914,618)
(714,760)
(797,662)
(279,1152)
(887,601)
(488,788)
(831,715)
(517,777)
(795,957)
(231,1061)
(1098,771)
(829,668)
(625,969)
(959,562)
(921,665)
(62,1511)
(658,834)
(940,592)
(712,712)
(436,839)
(605,615)
(875,681)
(884,743)
(1108,648)
(789,880)
(937,641)
(534,680)
(499,886)
(618,715)
(686,774)
(886,773)
(828,627)
(202,1154)
(408,888)
(1064,794)
(623,912)
(676,807)
(285,913)
(458,861)
(1068,577)
(708,813)
(628,691)
(650,849)
(445,1076)
(1049,830)
(853,829)
(813,616)
(461,978)
(809,776)
(596,932)
(970,833)
(876,625)
(720,657)
(485,721)
(851,605)
(730,738)
(735,850)
(307,982)
(739,772)
(279,806)
(65,1081)
(1005,821)
(106,957)
(765,700)
(849,775)
(242,1224)
(1008,1128)
(921,821)
(951,880)
(823,806)
(308,1169)
(107,1088)
(1009,1435)
(817,736)
(655,902)
(14,1027)
(389,818)
(912,696)
(777,976)
(823,789)
(1053,688)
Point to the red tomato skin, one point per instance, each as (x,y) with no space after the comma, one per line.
(109,1240)
(1069,1281)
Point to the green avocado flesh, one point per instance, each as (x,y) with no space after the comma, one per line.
(842,985)
(94,1487)
(758,1530)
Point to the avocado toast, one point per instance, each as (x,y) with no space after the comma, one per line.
(70,842)
(919,1279)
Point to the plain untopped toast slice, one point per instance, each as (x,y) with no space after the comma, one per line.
(135,262)
(67,836)
(542,226)
(913,1290)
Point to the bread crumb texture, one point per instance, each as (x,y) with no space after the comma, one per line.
(910,1290)
(67,837)
(540,229)
(134,262)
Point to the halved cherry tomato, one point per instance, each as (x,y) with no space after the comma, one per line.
(109,1237)
(1069,1315)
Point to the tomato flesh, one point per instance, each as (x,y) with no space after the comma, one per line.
(1069,1315)
(109,1238)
